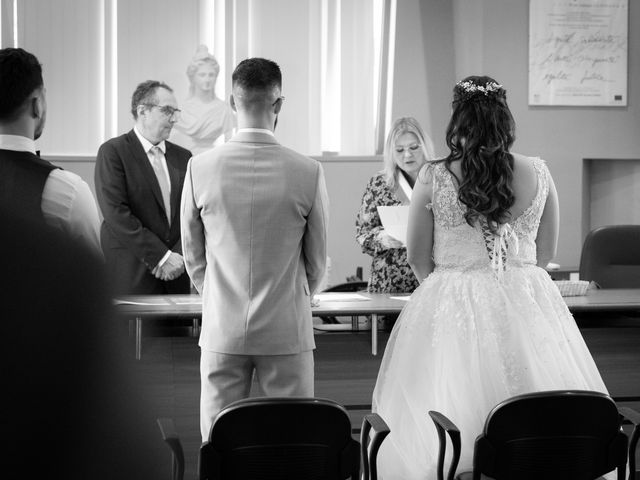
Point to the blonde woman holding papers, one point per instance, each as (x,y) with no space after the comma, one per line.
(407,149)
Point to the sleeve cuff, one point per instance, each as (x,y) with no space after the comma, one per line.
(163,259)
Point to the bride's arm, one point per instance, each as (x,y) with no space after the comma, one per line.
(420,228)
(547,238)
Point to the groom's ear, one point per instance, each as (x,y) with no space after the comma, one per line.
(232,102)
(278,106)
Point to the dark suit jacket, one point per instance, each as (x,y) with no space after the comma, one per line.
(135,234)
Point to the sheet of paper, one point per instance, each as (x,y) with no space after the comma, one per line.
(340,297)
(394,220)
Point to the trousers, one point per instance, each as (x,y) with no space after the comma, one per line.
(226,378)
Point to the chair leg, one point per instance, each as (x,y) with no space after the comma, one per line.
(374,334)
(195,327)
(170,436)
(138,338)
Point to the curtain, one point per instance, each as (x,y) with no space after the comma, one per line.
(95,52)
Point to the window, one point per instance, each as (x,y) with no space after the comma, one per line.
(333,54)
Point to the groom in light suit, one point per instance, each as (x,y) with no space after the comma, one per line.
(254,233)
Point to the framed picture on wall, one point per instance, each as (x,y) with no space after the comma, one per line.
(578,52)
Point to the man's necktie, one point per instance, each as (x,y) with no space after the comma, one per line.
(163,181)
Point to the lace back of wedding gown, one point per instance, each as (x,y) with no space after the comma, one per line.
(487,324)
(459,246)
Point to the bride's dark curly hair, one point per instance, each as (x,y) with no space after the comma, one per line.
(480,133)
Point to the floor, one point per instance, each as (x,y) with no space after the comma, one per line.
(345,372)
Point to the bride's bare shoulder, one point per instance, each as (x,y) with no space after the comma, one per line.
(523,163)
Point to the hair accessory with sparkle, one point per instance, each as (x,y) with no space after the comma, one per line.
(467,90)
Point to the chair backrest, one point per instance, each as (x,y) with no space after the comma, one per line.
(611,256)
(558,434)
(281,438)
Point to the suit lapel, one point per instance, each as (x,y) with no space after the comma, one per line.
(174,177)
(148,175)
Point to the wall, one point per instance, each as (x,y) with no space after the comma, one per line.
(440,42)
(612,192)
(424,73)
(77,86)
(563,136)
(437,44)
(346,178)
(423,76)
(162,38)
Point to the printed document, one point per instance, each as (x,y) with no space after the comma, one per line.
(394,220)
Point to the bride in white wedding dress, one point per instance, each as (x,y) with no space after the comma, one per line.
(487,322)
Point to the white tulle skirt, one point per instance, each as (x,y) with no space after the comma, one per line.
(465,342)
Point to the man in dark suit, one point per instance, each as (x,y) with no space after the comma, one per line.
(139,178)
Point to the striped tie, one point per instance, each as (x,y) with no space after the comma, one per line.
(163,181)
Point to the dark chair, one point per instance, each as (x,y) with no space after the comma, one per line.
(170,436)
(285,438)
(370,444)
(611,257)
(567,434)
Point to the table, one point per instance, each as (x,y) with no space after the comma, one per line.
(606,300)
(140,307)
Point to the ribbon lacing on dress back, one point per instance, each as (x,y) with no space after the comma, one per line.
(498,244)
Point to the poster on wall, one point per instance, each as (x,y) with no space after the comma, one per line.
(578,52)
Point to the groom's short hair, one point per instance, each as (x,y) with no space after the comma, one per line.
(255,80)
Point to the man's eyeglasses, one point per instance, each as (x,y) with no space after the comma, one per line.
(167,110)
